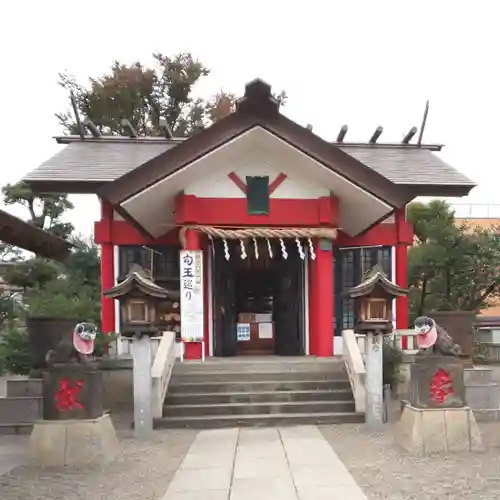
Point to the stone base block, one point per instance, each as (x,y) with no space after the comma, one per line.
(426,431)
(74,443)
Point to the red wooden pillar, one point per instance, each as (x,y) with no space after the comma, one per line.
(322,295)
(312,307)
(401,273)
(107,268)
(194,242)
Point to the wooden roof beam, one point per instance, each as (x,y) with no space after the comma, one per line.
(409,136)
(342,132)
(376,134)
(96,133)
(127,126)
(167,131)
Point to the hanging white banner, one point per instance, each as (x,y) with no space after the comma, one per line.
(191,286)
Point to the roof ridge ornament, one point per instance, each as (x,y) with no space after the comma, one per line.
(258,99)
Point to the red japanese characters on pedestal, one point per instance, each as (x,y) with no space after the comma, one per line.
(436,419)
(72,383)
(74,431)
(437,374)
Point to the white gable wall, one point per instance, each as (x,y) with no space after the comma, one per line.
(254,152)
(219,185)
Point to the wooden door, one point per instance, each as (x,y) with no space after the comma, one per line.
(288,322)
(224,312)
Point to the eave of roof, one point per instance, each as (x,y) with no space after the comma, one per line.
(17,232)
(105,165)
(377,278)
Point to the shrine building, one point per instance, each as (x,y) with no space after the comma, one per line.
(256,224)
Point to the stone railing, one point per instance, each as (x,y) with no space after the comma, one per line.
(396,338)
(353,352)
(490,351)
(355,367)
(163,364)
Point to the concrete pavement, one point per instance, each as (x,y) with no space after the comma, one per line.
(291,463)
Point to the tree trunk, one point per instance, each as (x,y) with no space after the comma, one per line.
(423,294)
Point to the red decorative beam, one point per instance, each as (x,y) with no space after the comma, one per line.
(235,178)
(384,234)
(190,209)
(277,183)
(124,233)
(272,187)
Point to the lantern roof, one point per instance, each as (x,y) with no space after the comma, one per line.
(374,278)
(139,280)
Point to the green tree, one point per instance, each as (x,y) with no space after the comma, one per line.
(452,266)
(144,94)
(9,253)
(44,211)
(69,289)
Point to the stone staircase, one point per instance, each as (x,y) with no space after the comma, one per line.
(258,392)
(21,404)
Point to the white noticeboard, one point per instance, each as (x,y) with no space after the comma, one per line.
(243,332)
(191,270)
(265,330)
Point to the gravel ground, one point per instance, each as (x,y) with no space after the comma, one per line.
(385,472)
(143,471)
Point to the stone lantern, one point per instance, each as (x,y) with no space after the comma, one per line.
(139,298)
(374,297)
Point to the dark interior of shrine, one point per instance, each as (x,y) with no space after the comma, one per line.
(258,299)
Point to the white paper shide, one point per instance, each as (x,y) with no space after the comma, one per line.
(191,270)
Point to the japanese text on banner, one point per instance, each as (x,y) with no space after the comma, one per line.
(191,267)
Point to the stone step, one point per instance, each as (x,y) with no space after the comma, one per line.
(254,376)
(21,410)
(283,365)
(259,408)
(478,375)
(257,386)
(9,429)
(259,397)
(263,420)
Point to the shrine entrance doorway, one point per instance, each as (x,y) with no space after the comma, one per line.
(258,299)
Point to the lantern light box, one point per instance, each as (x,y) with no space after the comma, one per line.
(139,298)
(374,298)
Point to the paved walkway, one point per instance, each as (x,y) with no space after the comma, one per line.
(292,463)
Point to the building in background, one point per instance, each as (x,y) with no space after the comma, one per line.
(487,216)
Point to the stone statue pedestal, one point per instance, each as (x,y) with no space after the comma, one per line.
(435,419)
(74,443)
(436,382)
(75,432)
(431,430)
(72,391)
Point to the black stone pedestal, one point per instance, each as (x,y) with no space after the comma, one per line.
(72,392)
(436,382)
